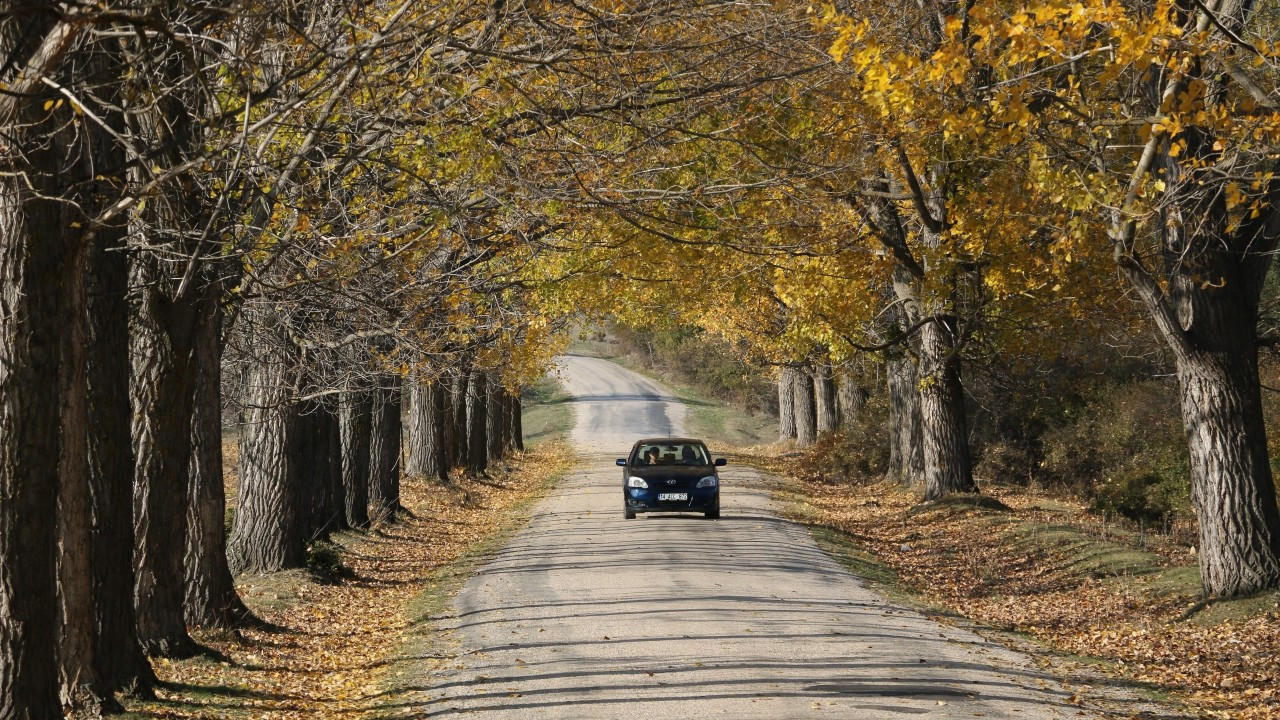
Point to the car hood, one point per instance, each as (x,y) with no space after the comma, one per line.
(673,472)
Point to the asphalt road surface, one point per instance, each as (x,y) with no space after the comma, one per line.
(587,615)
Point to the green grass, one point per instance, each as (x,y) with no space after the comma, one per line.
(546,415)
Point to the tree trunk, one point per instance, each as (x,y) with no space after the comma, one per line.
(384,453)
(356,422)
(211,597)
(33,256)
(495,416)
(120,663)
(1204,294)
(806,411)
(824,389)
(851,398)
(510,425)
(317,461)
(458,422)
(428,431)
(268,533)
(947,465)
(162,390)
(1212,329)
(78,680)
(517,423)
(786,403)
(477,420)
(906,436)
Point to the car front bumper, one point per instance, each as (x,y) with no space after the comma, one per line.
(645,500)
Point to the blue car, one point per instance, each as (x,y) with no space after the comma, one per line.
(670,475)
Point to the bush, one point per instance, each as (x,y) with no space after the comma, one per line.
(859,453)
(1125,451)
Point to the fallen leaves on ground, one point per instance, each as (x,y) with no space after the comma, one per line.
(337,640)
(991,566)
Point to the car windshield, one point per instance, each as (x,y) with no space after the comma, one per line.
(670,454)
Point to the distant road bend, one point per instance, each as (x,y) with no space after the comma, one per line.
(587,615)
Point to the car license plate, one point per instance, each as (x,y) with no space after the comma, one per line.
(672,496)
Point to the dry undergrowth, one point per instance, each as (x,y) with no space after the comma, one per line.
(336,639)
(1046,569)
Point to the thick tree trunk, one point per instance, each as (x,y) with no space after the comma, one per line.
(510,425)
(268,531)
(851,398)
(211,597)
(477,420)
(422,408)
(120,663)
(458,420)
(33,256)
(1205,304)
(824,389)
(495,417)
(162,389)
(947,465)
(384,453)
(787,378)
(517,423)
(79,684)
(805,409)
(163,320)
(906,436)
(356,422)
(428,431)
(1232,488)
(317,461)
(448,441)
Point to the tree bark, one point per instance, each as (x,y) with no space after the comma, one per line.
(786,403)
(268,533)
(824,389)
(458,420)
(162,391)
(852,399)
(317,461)
(79,684)
(1211,328)
(517,423)
(805,409)
(477,419)
(120,663)
(384,452)
(906,435)
(428,431)
(510,425)
(495,416)
(947,465)
(211,597)
(356,424)
(33,257)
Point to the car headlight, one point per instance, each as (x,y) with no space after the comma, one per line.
(709,481)
(637,482)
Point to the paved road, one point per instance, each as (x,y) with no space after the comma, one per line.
(587,615)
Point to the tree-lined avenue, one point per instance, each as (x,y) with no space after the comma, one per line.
(587,615)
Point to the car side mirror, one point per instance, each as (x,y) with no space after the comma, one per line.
(621,462)
(721,462)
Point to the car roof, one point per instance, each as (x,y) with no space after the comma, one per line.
(668,441)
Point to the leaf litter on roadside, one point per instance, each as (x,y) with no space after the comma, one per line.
(337,640)
(982,564)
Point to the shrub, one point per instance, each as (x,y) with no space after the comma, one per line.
(1125,451)
(858,453)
